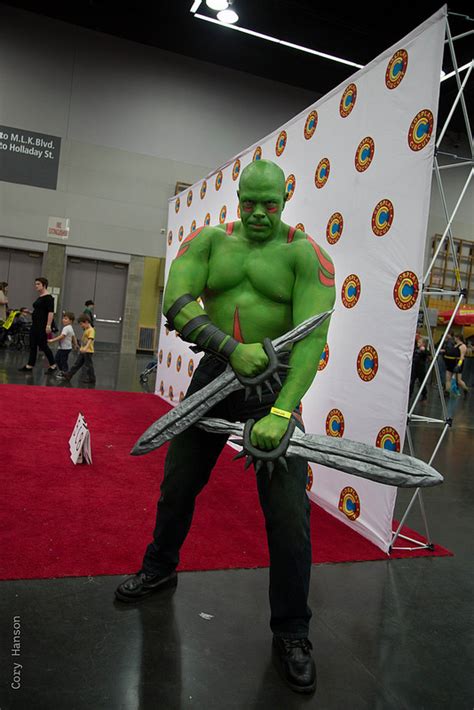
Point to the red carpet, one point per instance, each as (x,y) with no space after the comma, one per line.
(61,520)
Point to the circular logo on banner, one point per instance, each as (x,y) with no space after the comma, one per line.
(162,388)
(168,359)
(290,186)
(191,368)
(309,480)
(238,211)
(179,362)
(334,228)
(405,291)
(420,130)
(193,226)
(170,238)
(160,356)
(170,393)
(388,438)
(177,205)
(189,198)
(350,292)
(257,154)
(310,125)
(349,503)
(348,100)
(181,234)
(207,220)
(396,69)
(219,180)
(364,154)
(335,423)
(236,170)
(222,214)
(367,363)
(300,226)
(382,218)
(321,175)
(203,191)
(280,144)
(323,360)
(181,396)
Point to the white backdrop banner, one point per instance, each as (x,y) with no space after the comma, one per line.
(358,164)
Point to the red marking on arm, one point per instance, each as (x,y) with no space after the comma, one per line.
(187,242)
(291,235)
(325,263)
(237,330)
(229,228)
(324,279)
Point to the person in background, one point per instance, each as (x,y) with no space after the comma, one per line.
(419,365)
(89,311)
(67,341)
(461,348)
(3,300)
(84,359)
(42,317)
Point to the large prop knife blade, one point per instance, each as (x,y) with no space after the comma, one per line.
(352,457)
(193,408)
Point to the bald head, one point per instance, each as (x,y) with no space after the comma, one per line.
(263,171)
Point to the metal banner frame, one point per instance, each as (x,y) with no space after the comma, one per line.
(426,291)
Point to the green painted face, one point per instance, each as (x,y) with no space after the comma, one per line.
(262,199)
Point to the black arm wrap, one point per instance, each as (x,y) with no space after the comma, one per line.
(210,338)
(173,311)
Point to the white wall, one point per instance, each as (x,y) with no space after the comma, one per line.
(134,121)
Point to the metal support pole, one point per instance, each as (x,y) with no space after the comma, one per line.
(453,107)
(463,102)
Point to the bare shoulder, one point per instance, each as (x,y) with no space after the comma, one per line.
(307,247)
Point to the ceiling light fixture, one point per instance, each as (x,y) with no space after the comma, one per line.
(227,17)
(268,38)
(217,4)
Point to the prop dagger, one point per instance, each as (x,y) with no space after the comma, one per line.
(352,457)
(193,408)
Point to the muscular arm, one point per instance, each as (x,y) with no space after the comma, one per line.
(189,274)
(313,293)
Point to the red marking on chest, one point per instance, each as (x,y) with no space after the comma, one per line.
(291,234)
(229,228)
(237,330)
(187,242)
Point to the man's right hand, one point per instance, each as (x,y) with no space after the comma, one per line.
(249,359)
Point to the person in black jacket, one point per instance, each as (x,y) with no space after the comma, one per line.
(42,318)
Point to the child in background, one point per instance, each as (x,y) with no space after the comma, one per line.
(84,359)
(67,341)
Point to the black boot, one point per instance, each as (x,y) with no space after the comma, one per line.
(295,663)
(142,585)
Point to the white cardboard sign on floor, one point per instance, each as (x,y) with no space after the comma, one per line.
(80,442)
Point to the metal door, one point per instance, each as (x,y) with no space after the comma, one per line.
(105,283)
(20,269)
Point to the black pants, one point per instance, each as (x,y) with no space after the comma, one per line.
(61,359)
(84,360)
(189,462)
(38,339)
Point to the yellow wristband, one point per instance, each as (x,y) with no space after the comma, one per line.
(459,362)
(280,413)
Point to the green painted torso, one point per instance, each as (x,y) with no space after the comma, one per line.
(255,278)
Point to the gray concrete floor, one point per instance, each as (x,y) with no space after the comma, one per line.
(388,635)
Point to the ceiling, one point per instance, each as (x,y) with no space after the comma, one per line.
(344,31)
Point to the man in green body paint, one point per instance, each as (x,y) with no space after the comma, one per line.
(257,278)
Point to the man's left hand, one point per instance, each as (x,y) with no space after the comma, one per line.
(267,433)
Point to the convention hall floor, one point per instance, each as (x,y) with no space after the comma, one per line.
(388,635)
